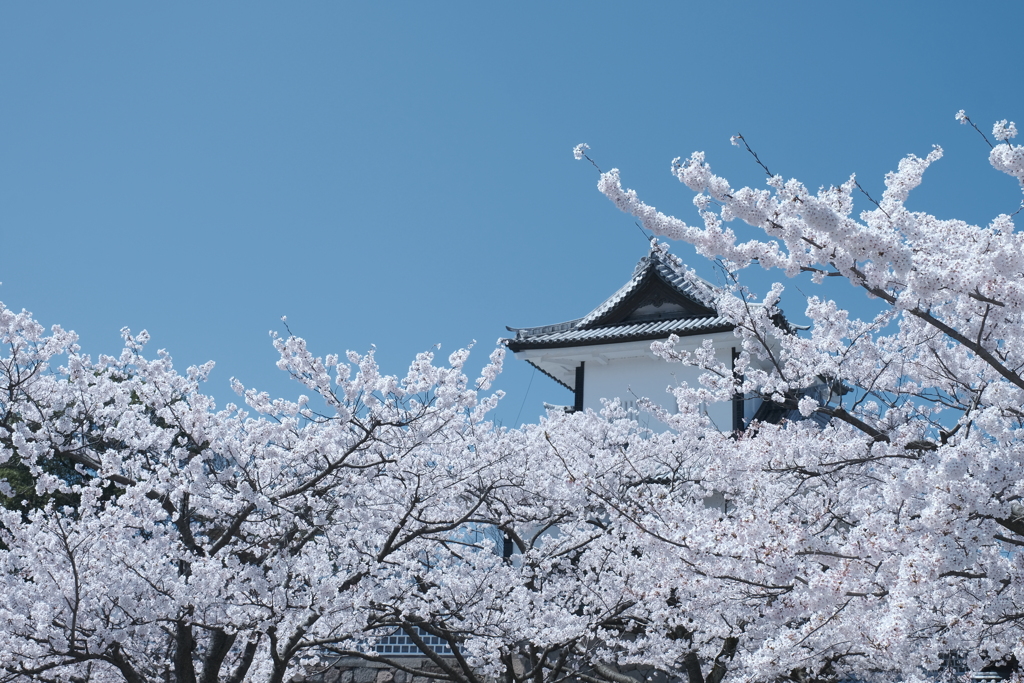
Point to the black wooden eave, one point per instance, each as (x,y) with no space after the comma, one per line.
(537,367)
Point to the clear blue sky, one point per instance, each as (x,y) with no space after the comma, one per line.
(400,174)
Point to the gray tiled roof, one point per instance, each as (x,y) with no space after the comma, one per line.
(599,326)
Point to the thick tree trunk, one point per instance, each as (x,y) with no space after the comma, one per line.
(692,665)
(220,645)
(719,669)
(184,643)
(244,663)
(117,658)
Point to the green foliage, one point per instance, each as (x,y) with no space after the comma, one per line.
(26,496)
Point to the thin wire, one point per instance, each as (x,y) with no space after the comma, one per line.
(516,425)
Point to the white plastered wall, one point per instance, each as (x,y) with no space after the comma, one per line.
(630,370)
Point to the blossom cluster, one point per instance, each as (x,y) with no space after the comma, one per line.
(907,500)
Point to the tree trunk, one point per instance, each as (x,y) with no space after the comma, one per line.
(184,643)
(220,645)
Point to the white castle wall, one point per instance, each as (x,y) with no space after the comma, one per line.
(630,370)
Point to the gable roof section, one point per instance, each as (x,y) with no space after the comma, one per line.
(656,301)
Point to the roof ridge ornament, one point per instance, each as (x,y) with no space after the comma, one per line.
(641,265)
(657,254)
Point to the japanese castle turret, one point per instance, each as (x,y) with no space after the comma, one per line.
(607,354)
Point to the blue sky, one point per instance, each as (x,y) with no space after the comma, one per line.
(400,174)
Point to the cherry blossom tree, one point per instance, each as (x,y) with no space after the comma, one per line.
(222,545)
(167,539)
(887,541)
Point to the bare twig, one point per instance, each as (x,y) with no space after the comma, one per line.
(967,119)
(871,199)
(592,162)
(754,154)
